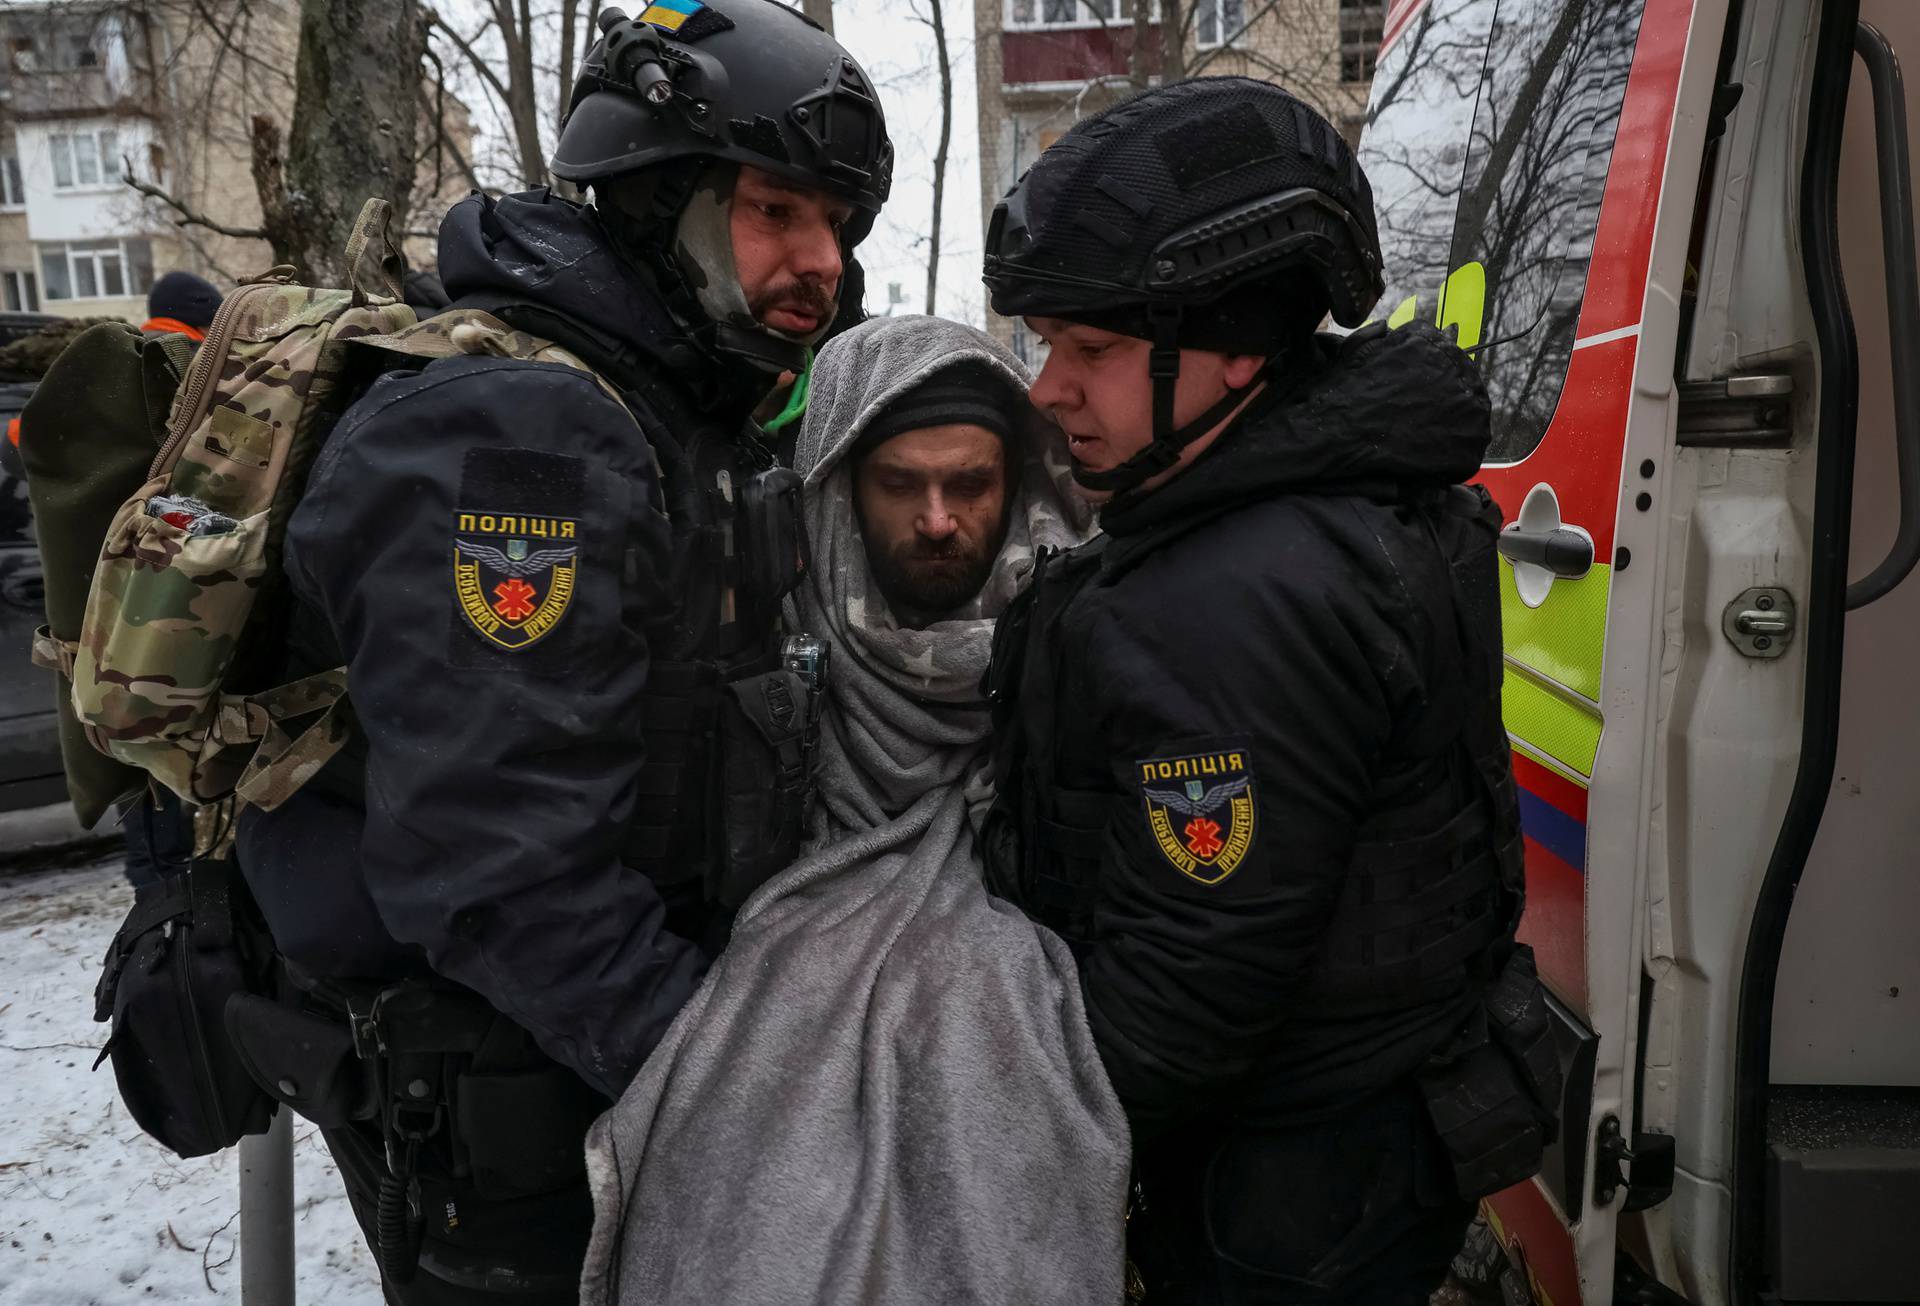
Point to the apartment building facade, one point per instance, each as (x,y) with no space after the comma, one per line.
(90,89)
(1041,65)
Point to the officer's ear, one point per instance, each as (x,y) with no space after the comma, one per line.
(1241,369)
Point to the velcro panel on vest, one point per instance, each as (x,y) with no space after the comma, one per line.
(1413,911)
(1068,837)
(677,714)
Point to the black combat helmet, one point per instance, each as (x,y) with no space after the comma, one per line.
(663,96)
(1219,213)
(748,81)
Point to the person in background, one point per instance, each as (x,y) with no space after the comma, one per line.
(182,302)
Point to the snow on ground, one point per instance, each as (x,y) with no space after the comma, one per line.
(91,1209)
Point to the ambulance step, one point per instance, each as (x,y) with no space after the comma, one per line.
(1843,1184)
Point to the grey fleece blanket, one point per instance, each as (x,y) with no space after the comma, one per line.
(885,1091)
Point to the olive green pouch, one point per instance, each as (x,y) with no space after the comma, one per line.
(88,437)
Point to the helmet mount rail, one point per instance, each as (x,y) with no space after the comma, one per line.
(1292,228)
(1297,226)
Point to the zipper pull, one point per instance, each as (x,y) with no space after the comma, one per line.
(278,274)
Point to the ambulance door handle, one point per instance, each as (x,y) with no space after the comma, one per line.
(1567,554)
(1903,304)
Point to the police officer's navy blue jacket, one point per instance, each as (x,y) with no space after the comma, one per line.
(1264,668)
(483,825)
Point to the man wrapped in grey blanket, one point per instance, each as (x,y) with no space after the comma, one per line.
(885,1091)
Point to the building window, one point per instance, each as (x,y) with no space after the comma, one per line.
(13,191)
(21,291)
(1361,25)
(1031,15)
(1218,22)
(84,159)
(96,269)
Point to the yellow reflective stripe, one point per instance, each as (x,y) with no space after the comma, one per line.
(1565,637)
(1402,314)
(1550,720)
(1463,302)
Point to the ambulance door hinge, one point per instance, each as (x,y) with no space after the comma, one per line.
(1645,1169)
(1740,412)
(1759,622)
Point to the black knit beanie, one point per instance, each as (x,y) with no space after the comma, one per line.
(967,392)
(184,298)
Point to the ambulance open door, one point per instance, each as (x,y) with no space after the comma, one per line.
(1534,164)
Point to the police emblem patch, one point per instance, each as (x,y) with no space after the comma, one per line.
(1200,809)
(514,574)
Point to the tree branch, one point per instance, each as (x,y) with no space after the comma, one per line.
(460,160)
(187,218)
(480,66)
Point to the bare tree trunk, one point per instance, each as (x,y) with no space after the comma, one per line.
(569,29)
(821,11)
(939,23)
(353,134)
(516,32)
(1175,18)
(1138,70)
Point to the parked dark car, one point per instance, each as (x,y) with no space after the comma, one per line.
(30,773)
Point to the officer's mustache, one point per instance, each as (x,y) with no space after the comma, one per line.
(798,296)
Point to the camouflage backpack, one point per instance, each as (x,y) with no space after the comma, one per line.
(167,673)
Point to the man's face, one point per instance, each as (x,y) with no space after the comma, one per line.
(933,511)
(786,249)
(1096,387)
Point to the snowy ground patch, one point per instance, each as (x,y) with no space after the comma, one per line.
(92,1211)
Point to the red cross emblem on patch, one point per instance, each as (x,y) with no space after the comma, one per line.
(515,601)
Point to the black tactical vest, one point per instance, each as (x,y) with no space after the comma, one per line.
(1435,883)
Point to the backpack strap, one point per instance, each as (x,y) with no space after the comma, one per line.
(378,277)
(54,654)
(460,331)
(282,760)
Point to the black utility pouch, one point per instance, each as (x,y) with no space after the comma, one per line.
(189,944)
(303,1060)
(1519,1022)
(775,554)
(524,1130)
(763,782)
(1494,1091)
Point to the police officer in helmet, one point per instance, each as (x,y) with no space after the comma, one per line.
(1250,762)
(550,547)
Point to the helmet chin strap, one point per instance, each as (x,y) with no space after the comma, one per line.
(1169,442)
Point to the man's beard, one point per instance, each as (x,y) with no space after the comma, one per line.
(922,578)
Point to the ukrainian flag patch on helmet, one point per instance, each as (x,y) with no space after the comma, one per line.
(670,15)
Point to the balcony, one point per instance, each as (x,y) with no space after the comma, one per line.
(1058,57)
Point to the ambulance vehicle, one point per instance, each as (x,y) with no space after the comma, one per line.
(1678,237)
